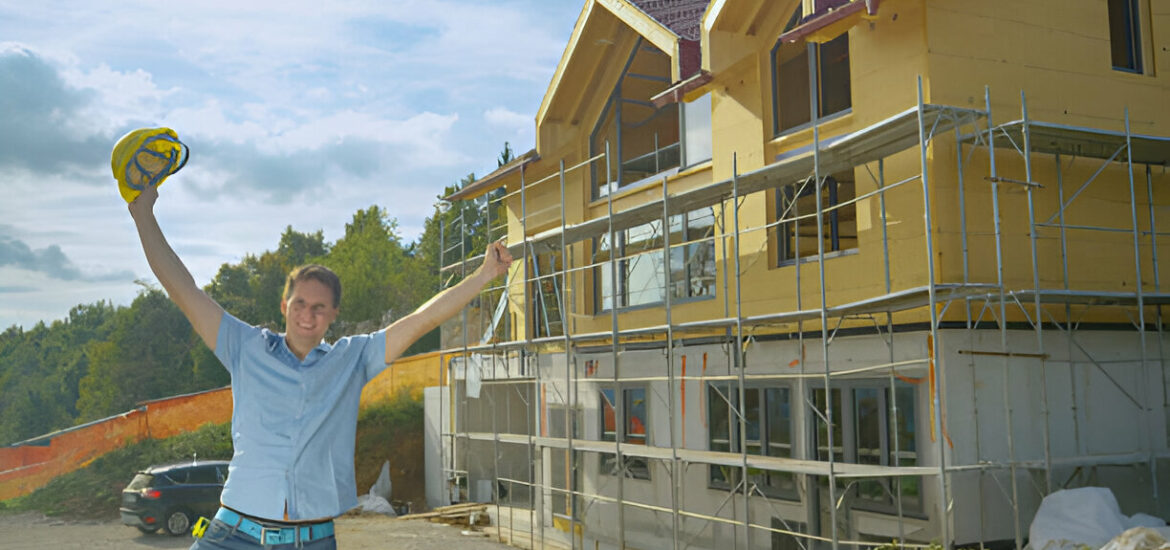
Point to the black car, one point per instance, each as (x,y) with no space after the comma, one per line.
(172,497)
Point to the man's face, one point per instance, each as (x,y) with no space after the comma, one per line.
(308,311)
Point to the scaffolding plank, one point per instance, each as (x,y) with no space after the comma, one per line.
(1090,297)
(1080,141)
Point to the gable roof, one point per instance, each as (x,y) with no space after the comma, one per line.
(683,18)
(670,25)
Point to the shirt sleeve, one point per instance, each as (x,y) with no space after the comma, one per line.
(374,355)
(229,341)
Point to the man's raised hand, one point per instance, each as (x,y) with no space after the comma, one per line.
(496,259)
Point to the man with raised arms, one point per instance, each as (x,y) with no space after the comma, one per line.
(295,397)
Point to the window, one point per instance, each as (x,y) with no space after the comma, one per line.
(767,419)
(790,80)
(643,138)
(869,429)
(203,475)
(1125,41)
(640,269)
(784,541)
(546,292)
(795,211)
(634,430)
(696,117)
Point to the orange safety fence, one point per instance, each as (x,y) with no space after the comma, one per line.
(30,465)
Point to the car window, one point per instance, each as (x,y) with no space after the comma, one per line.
(140,481)
(221,472)
(203,474)
(177,476)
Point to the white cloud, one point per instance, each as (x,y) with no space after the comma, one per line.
(297,113)
(505,119)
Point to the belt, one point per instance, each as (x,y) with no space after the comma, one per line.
(275,535)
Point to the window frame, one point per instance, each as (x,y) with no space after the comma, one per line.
(688,247)
(634,467)
(685,161)
(730,479)
(613,106)
(1131,41)
(822,116)
(791,194)
(845,417)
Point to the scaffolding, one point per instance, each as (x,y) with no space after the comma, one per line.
(510,445)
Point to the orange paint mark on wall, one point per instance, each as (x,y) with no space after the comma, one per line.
(543,412)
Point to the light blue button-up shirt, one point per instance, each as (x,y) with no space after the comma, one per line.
(294,422)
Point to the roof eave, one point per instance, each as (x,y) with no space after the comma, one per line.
(493,180)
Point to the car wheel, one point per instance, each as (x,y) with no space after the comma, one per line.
(178,523)
(148,530)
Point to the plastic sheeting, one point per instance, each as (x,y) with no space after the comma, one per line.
(377,501)
(1073,519)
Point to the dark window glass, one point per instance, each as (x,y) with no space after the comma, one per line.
(1125,44)
(795,210)
(790,68)
(202,475)
(767,427)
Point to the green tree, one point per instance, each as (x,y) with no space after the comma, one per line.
(375,271)
(252,289)
(506,155)
(147,356)
(40,371)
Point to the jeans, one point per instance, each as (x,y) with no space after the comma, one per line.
(221,536)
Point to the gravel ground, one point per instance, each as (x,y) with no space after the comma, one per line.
(36,532)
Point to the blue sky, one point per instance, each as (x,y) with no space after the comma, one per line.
(297,113)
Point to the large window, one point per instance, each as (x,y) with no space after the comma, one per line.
(634,429)
(872,425)
(1125,40)
(641,267)
(643,139)
(767,431)
(795,224)
(791,80)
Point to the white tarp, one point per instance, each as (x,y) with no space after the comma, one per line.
(1073,519)
(378,499)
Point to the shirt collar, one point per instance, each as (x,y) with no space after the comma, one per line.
(273,342)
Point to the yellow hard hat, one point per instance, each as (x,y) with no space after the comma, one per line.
(146,157)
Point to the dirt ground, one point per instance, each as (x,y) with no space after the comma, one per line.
(36,532)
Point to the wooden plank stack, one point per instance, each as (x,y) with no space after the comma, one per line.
(465,514)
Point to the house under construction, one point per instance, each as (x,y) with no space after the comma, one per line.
(820,274)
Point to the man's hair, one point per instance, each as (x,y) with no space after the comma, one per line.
(319,273)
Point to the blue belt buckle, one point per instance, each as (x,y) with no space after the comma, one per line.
(276,535)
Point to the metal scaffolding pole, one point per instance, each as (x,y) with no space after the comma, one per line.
(1038,325)
(1147,425)
(619,406)
(570,386)
(934,320)
(819,187)
(666,276)
(1002,322)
